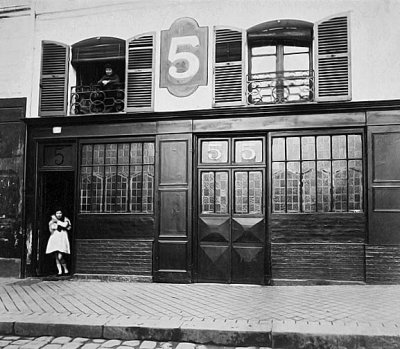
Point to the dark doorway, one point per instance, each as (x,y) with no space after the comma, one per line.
(57,190)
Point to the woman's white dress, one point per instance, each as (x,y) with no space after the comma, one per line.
(58,240)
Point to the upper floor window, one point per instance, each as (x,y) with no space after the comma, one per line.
(280,64)
(287,61)
(111,75)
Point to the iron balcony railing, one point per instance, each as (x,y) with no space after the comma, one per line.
(92,99)
(293,86)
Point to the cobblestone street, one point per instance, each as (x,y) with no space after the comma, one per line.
(49,342)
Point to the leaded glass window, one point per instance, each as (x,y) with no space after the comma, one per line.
(317,173)
(117,177)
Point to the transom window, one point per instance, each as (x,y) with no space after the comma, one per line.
(117,177)
(321,173)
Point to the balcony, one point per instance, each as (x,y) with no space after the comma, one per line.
(294,86)
(91,99)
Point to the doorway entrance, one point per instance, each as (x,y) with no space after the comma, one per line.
(57,191)
(231,229)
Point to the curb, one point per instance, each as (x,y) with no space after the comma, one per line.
(281,334)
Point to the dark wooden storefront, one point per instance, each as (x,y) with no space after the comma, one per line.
(184,239)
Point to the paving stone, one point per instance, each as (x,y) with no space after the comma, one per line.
(133,343)
(72,345)
(98,340)
(52,346)
(148,345)
(80,339)
(186,346)
(61,340)
(22,341)
(3,343)
(11,338)
(34,345)
(111,343)
(91,346)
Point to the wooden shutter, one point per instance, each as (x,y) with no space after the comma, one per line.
(140,73)
(332,59)
(228,77)
(53,79)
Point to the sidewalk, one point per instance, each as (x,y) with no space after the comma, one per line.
(230,315)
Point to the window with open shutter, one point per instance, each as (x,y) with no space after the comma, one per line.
(229,78)
(140,73)
(332,52)
(53,80)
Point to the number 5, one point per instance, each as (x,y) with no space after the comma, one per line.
(186,60)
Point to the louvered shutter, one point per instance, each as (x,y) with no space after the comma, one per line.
(140,73)
(228,77)
(332,59)
(53,79)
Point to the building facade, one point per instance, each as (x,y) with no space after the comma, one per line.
(233,141)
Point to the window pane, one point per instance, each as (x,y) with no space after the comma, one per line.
(278,187)
(111,154)
(148,189)
(355,185)
(97,189)
(136,188)
(323,147)
(263,50)
(297,62)
(248,151)
(136,153)
(296,49)
(86,173)
(339,169)
(308,148)
(293,148)
(122,189)
(278,149)
(228,51)
(309,186)
(293,187)
(87,155)
(221,192)
(214,151)
(263,64)
(123,154)
(355,146)
(324,186)
(111,186)
(207,192)
(241,192)
(339,147)
(98,155)
(148,156)
(255,192)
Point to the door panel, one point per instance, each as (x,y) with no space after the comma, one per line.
(214,261)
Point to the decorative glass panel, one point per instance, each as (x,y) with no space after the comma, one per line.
(309,186)
(278,149)
(248,151)
(355,185)
(293,187)
(241,192)
(308,148)
(255,192)
(117,177)
(324,186)
(214,192)
(339,169)
(324,147)
(214,152)
(278,187)
(293,148)
(339,147)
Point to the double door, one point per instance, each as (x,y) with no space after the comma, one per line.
(231,230)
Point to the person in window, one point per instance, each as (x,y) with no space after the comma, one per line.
(110,80)
(58,243)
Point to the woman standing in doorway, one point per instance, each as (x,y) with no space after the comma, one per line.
(58,243)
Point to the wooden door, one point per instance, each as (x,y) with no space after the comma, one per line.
(231,234)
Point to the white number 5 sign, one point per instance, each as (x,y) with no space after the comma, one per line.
(184,57)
